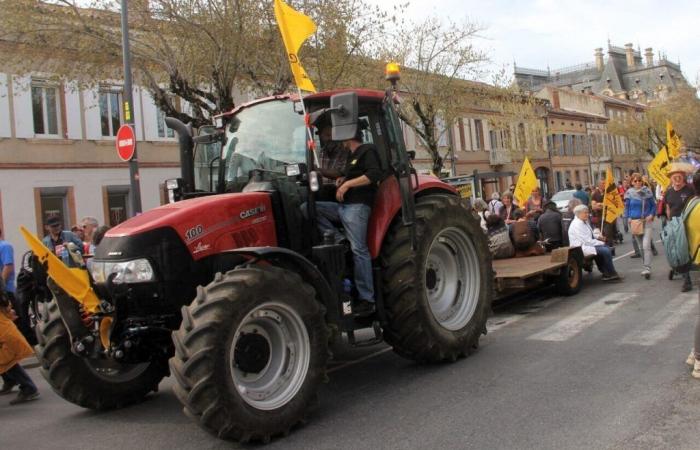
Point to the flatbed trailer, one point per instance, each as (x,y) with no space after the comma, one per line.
(562,268)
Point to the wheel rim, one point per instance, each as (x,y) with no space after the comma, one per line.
(269,356)
(452,278)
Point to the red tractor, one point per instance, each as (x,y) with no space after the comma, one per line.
(233,285)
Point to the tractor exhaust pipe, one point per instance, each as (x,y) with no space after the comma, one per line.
(184,134)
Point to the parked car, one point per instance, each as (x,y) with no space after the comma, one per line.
(562,198)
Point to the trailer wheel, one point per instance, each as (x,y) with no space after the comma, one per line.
(250,354)
(90,383)
(569,279)
(438,297)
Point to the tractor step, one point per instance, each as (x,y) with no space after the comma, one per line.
(378,337)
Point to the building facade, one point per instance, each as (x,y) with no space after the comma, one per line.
(622,73)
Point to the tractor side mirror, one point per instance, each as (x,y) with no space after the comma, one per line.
(344,116)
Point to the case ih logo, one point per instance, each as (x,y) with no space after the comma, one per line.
(252,212)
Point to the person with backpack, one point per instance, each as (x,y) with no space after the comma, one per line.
(523,234)
(500,245)
(692,230)
(639,210)
(675,198)
(495,205)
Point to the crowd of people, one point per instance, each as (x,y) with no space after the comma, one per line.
(539,225)
(15,330)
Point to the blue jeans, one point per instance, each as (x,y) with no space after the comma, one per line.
(603,259)
(17,376)
(354,218)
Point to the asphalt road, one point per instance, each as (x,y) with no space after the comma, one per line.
(603,369)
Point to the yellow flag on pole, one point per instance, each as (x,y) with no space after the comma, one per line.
(673,141)
(612,201)
(527,181)
(658,168)
(295,28)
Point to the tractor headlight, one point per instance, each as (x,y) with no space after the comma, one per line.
(134,271)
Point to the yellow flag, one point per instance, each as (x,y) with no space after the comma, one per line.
(658,167)
(673,142)
(295,28)
(527,181)
(612,201)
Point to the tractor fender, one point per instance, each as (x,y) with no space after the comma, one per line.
(295,262)
(388,204)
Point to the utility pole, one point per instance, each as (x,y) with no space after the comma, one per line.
(134,177)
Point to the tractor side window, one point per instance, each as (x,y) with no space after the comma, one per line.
(206,163)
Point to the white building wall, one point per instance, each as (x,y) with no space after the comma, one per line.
(22,105)
(17,187)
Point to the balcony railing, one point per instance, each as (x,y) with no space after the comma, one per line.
(499,157)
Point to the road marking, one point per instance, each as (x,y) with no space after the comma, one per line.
(661,324)
(359,360)
(496,322)
(572,325)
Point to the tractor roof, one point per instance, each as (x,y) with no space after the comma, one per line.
(366,95)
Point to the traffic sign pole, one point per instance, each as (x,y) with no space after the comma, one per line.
(135,185)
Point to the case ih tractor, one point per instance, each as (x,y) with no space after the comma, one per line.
(234,288)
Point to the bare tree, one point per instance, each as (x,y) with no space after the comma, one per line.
(201,51)
(439,57)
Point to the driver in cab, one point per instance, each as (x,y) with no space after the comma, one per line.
(355,193)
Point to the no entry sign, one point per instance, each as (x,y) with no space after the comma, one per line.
(126,142)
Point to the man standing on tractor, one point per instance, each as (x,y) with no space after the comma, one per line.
(355,194)
(333,154)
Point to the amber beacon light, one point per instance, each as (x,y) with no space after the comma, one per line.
(393,72)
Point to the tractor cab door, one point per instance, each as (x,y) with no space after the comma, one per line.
(207,157)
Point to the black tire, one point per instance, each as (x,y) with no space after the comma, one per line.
(204,359)
(86,382)
(569,280)
(413,329)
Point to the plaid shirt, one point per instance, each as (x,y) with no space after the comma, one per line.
(333,156)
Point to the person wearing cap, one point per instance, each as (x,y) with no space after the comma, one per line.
(56,239)
(675,198)
(581,235)
(355,194)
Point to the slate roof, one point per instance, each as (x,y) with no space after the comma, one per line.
(616,76)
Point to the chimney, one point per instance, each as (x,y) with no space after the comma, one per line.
(555,99)
(629,51)
(649,55)
(599,59)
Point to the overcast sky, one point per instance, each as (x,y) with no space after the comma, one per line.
(560,33)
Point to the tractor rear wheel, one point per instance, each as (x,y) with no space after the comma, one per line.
(250,353)
(89,382)
(437,297)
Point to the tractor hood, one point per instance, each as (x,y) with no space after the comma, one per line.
(206,225)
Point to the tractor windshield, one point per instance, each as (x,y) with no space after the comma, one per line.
(266,137)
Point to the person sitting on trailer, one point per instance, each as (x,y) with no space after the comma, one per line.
(523,234)
(355,196)
(549,226)
(581,235)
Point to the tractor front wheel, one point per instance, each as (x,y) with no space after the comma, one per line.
(90,382)
(437,296)
(250,353)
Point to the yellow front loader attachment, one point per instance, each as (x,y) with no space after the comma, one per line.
(73,281)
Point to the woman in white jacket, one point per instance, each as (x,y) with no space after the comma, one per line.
(581,235)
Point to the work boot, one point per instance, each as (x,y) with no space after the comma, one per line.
(696,369)
(24,397)
(363,308)
(7,388)
(691,358)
